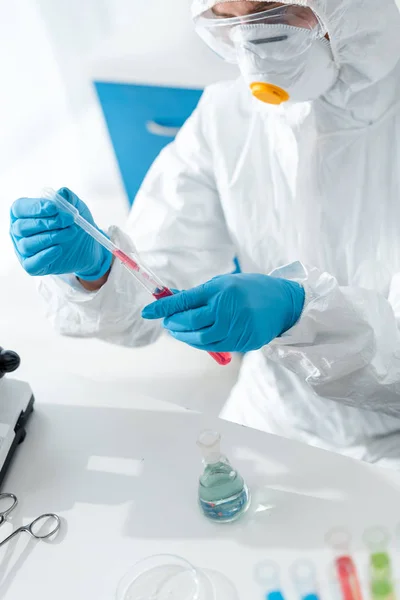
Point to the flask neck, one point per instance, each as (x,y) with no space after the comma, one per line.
(214,458)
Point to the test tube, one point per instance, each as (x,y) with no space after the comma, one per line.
(267,575)
(344,566)
(130,261)
(380,568)
(304,578)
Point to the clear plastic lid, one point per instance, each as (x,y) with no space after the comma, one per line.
(339,539)
(222,34)
(164,577)
(267,574)
(376,539)
(304,577)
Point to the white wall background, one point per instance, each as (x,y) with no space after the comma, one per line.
(48,110)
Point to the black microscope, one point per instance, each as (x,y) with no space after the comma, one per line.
(16,406)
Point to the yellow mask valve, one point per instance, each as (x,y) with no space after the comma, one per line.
(266,92)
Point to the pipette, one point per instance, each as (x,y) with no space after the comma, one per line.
(142,274)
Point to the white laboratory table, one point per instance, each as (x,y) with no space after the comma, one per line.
(122,469)
(120,465)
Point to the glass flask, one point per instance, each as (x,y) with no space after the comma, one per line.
(223,494)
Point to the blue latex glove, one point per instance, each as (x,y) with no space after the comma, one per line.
(47,242)
(231,313)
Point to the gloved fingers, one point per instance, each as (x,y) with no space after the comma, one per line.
(191,320)
(179,303)
(201,338)
(73,199)
(221,346)
(30,246)
(26,208)
(27,227)
(68,195)
(42,262)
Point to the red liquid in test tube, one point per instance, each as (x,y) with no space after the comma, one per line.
(222,358)
(348,578)
(126,260)
(162,293)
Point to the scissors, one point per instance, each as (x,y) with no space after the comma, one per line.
(51,521)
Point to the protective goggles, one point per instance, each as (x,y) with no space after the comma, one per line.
(221,33)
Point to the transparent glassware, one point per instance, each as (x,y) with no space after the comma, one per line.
(223,494)
(171,577)
(165,577)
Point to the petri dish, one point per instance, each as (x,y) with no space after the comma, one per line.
(164,577)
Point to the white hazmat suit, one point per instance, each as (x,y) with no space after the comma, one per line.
(314,184)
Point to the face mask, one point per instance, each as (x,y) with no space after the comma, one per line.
(282,63)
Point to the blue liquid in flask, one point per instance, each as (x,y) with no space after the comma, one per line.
(223,494)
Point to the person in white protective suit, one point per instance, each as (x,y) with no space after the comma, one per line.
(294,169)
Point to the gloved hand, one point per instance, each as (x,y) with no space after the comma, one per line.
(231,313)
(48,242)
